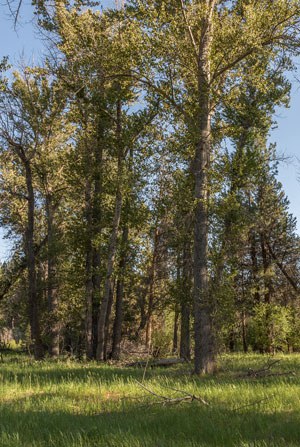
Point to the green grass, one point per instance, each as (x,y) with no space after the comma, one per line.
(68,404)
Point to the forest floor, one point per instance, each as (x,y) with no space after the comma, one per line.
(73,404)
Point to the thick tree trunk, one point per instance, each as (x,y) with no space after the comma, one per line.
(52,280)
(204,342)
(33,308)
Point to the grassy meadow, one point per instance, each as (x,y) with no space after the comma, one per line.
(68,404)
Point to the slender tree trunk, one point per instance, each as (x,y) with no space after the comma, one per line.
(52,279)
(89,274)
(244,334)
(185,305)
(142,308)
(283,270)
(267,291)
(253,253)
(97,230)
(110,265)
(112,246)
(33,308)
(151,292)
(117,330)
(204,342)
(175,330)
(107,321)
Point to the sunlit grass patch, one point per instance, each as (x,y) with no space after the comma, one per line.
(76,404)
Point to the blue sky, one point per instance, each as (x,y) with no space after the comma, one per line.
(24,43)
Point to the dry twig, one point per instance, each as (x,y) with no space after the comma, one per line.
(173,400)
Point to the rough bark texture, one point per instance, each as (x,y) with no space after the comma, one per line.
(204,344)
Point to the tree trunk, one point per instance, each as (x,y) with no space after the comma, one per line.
(244,334)
(175,330)
(255,269)
(112,246)
(107,321)
(151,292)
(97,229)
(204,343)
(117,330)
(33,308)
(88,274)
(267,291)
(52,280)
(185,305)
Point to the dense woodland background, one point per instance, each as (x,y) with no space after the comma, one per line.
(137,185)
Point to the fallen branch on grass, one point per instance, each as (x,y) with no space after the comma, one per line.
(265,371)
(173,400)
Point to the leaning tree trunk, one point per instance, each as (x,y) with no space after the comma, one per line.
(33,308)
(204,343)
(52,279)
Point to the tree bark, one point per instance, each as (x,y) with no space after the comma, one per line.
(185,305)
(204,343)
(112,246)
(175,330)
(107,322)
(117,330)
(52,280)
(96,231)
(151,291)
(88,274)
(33,308)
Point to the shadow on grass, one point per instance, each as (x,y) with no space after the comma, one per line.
(151,426)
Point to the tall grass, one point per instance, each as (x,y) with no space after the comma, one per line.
(68,404)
